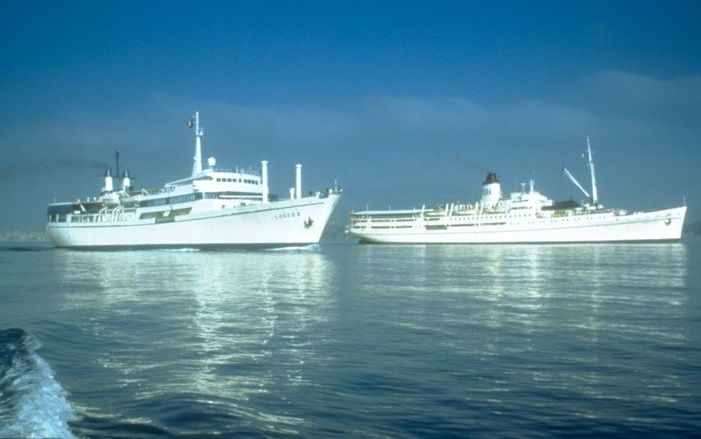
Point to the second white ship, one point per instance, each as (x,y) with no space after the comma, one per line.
(210,209)
(524,217)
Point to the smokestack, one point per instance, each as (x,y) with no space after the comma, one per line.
(292,193)
(298,181)
(108,184)
(491,191)
(264,179)
(126,181)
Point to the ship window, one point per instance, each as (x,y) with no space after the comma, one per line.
(181,199)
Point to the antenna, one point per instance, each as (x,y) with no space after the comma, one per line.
(590,162)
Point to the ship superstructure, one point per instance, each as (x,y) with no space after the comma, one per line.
(526,216)
(211,208)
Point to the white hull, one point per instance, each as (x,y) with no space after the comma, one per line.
(661,225)
(274,224)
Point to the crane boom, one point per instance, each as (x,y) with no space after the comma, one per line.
(574,180)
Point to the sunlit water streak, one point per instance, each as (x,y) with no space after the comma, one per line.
(378,341)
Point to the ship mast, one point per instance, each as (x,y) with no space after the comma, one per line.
(590,163)
(116,159)
(197,159)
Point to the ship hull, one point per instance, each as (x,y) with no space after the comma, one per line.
(286,223)
(657,226)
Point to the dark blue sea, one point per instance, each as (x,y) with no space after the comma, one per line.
(345,340)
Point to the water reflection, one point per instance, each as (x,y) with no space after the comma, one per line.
(526,275)
(547,318)
(231,326)
(364,339)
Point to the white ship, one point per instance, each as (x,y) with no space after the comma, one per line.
(211,208)
(524,217)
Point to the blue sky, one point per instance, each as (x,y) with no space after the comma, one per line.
(404,103)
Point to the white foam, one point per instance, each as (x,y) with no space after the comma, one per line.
(35,405)
(177,250)
(299,248)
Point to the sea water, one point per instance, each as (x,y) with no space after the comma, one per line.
(352,340)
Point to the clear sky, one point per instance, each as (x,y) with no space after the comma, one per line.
(404,103)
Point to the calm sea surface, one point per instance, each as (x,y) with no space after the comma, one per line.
(352,341)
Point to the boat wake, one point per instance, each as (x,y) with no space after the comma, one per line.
(178,250)
(299,248)
(32,403)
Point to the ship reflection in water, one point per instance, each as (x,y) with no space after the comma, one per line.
(575,330)
(381,340)
(200,329)
(529,287)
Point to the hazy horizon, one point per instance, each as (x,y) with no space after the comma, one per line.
(404,103)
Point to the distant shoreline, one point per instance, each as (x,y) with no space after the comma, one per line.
(22,235)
